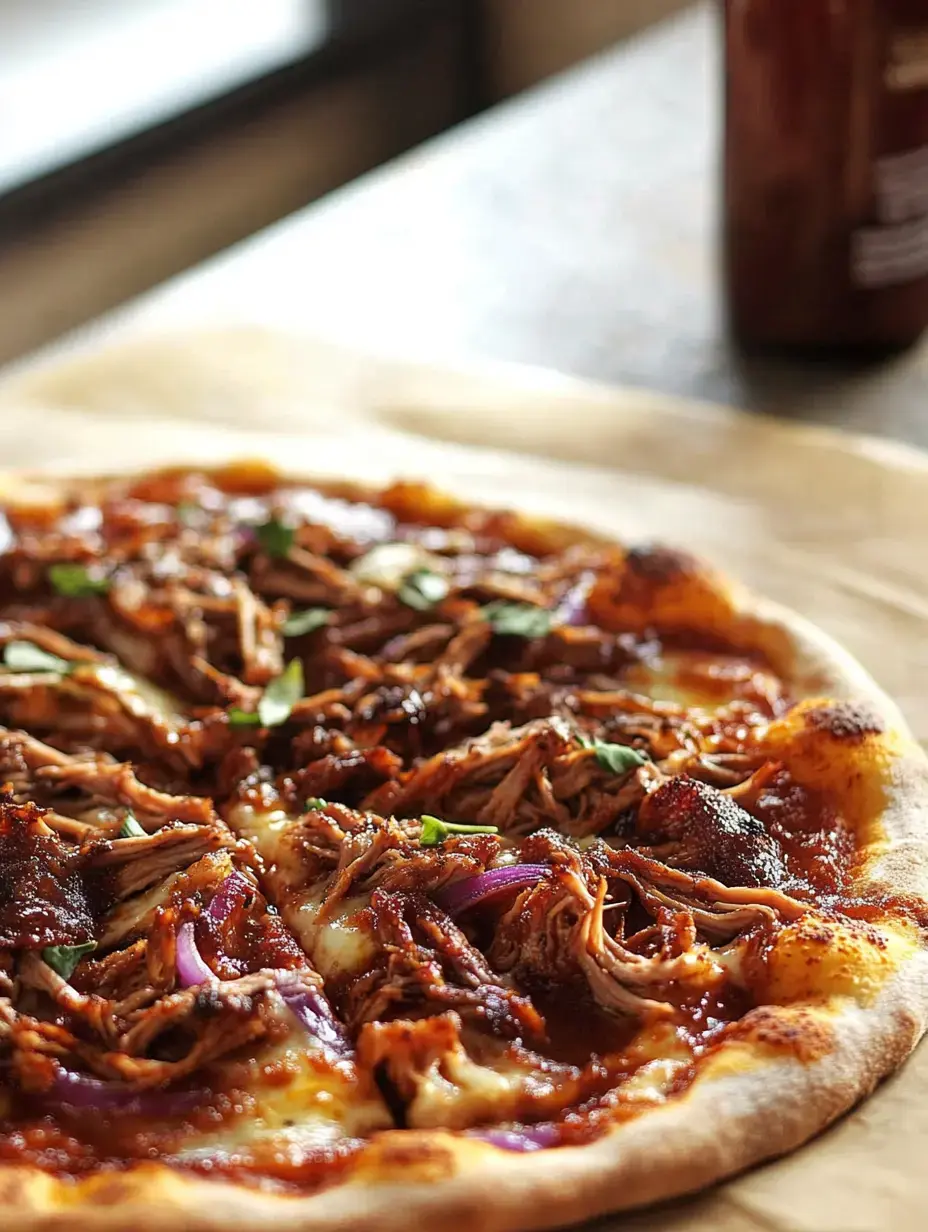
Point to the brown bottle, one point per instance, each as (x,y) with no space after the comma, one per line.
(826,172)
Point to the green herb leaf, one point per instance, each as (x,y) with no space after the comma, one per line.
(275,537)
(187,512)
(281,695)
(518,619)
(435,831)
(130,828)
(76,581)
(277,700)
(618,758)
(314,802)
(64,958)
(24,657)
(299,623)
(422,589)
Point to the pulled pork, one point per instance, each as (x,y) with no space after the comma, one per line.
(378,675)
(43,898)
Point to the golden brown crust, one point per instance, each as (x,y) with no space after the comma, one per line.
(858,1012)
(752,1107)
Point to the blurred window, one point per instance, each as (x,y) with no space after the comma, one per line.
(75,78)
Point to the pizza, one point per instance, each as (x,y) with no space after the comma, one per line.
(369,860)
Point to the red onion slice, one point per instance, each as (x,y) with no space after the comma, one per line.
(462,895)
(526,1138)
(303,999)
(191,968)
(572,608)
(80,1092)
(232,891)
(244,538)
(311,1009)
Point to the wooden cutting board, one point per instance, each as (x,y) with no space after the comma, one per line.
(835,526)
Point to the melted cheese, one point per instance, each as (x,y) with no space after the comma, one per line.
(139,697)
(267,829)
(310,1107)
(651,1083)
(135,913)
(320,1104)
(388,564)
(656,1041)
(696,683)
(337,945)
(455,1091)
(136,695)
(731,958)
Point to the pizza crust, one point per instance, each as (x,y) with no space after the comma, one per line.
(752,1102)
(724,1124)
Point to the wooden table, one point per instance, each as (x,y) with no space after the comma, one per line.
(573,228)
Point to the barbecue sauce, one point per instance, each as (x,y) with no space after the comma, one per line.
(825,229)
(50,893)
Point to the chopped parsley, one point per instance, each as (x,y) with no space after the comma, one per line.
(314,802)
(76,581)
(130,828)
(435,831)
(518,619)
(422,589)
(299,623)
(64,958)
(275,537)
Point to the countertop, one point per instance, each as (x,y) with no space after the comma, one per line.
(573,227)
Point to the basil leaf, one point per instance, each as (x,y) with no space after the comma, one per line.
(299,623)
(276,702)
(24,657)
(275,537)
(64,958)
(518,619)
(435,831)
(281,695)
(618,758)
(76,581)
(130,828)
(422,589)
(314,802)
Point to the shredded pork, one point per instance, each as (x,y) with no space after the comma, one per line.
(489,682)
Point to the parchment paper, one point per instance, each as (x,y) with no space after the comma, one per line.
(835,526)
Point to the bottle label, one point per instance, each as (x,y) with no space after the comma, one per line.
(908,61)
(894,249)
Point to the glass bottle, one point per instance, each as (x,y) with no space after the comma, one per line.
(825,228)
